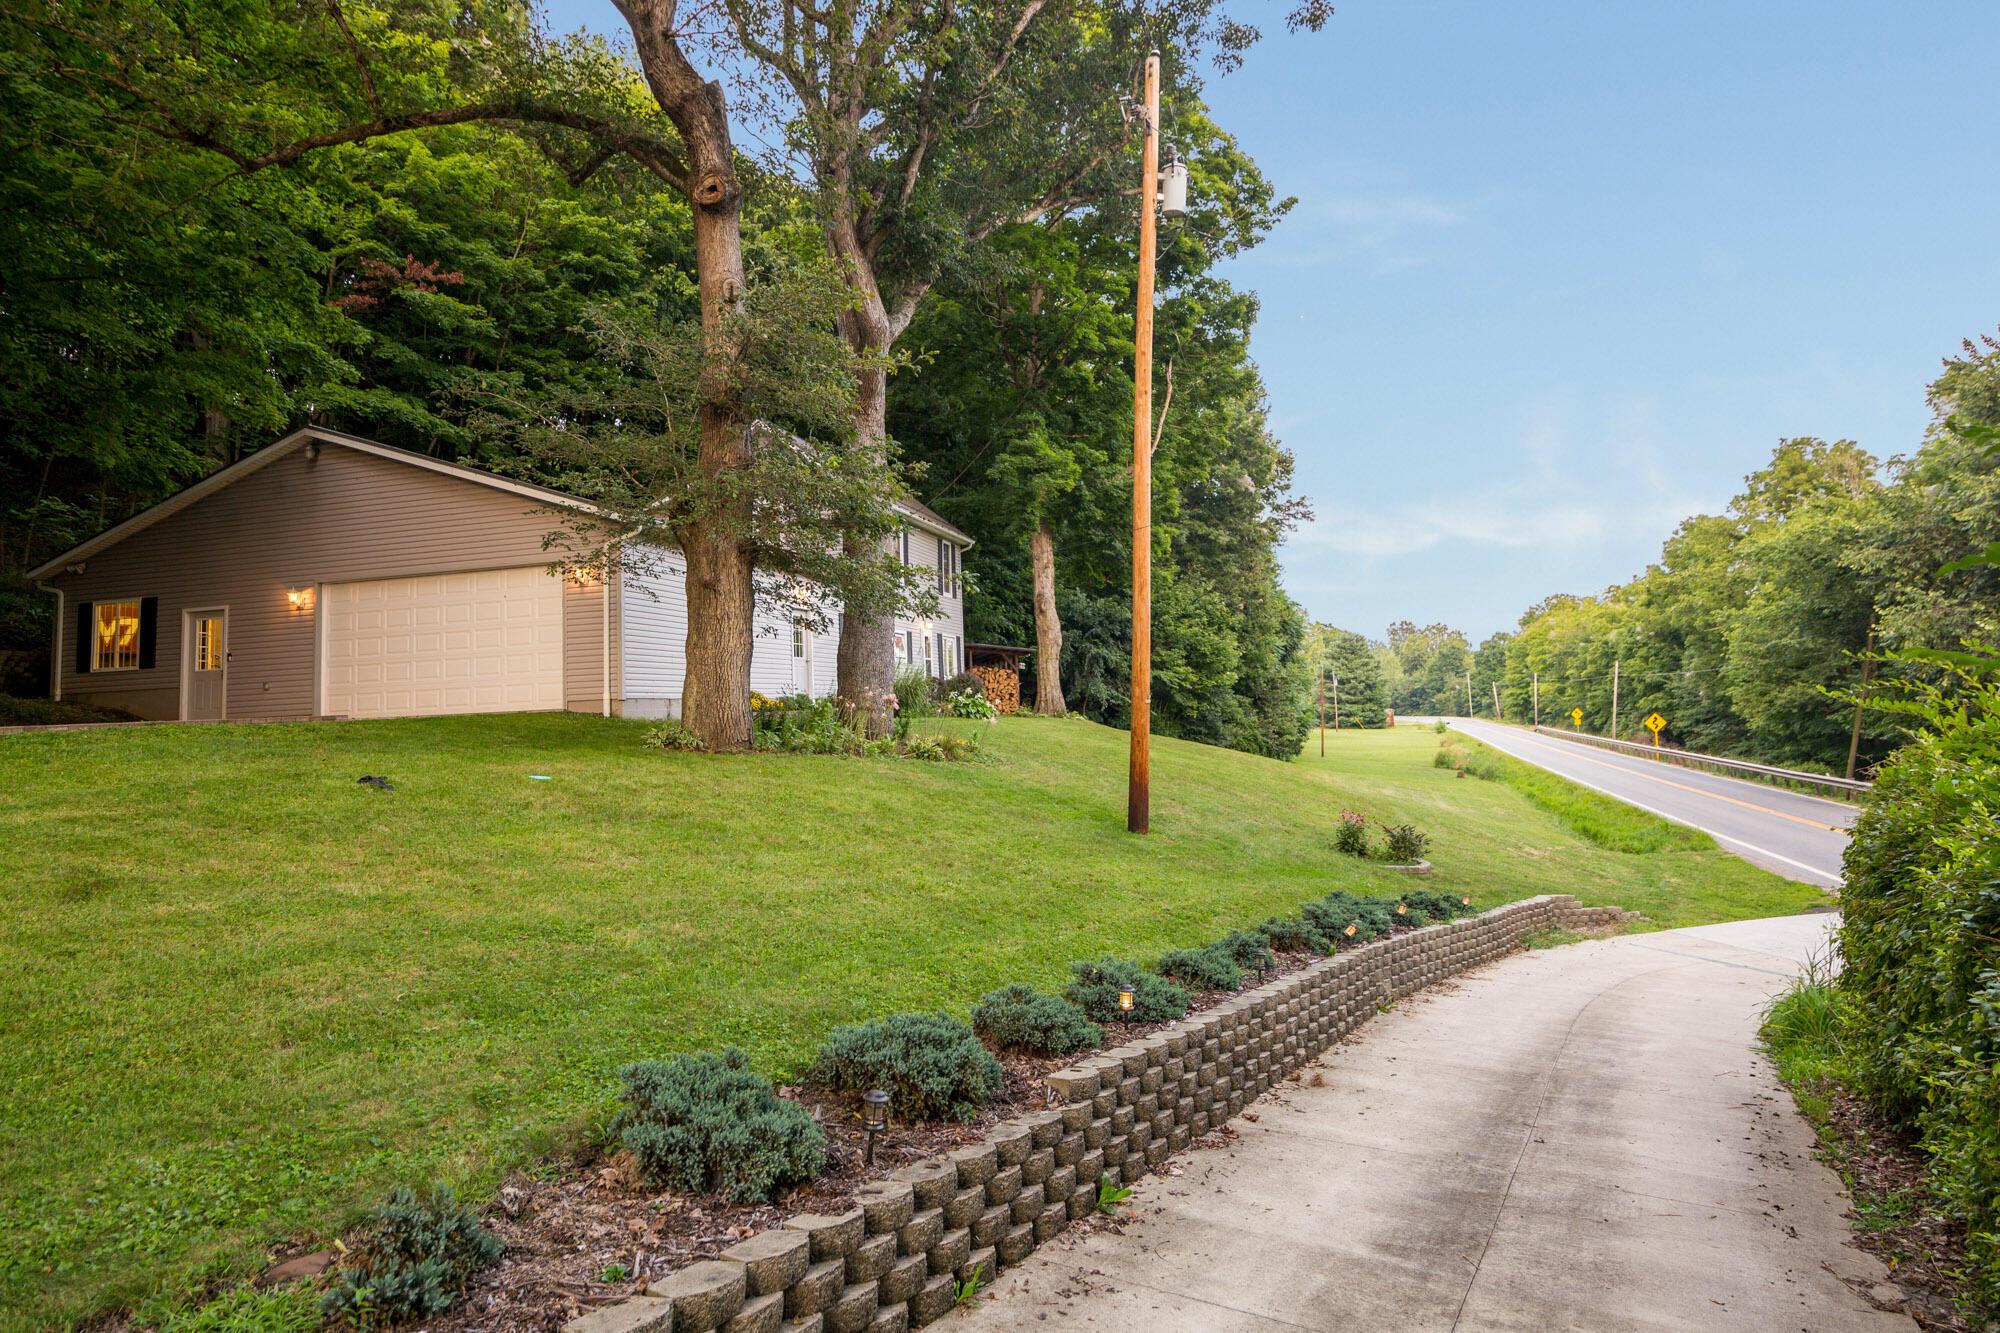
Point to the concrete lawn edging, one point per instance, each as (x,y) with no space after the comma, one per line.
(895,1261)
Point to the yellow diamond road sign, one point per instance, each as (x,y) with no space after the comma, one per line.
(1655,723)
(1576,716)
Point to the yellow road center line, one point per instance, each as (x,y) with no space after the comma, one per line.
(1703,791)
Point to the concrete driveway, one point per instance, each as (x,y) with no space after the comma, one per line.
(1579,1138)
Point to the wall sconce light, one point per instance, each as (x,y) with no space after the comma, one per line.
(299,598)
(874,1117)
(1125,1003)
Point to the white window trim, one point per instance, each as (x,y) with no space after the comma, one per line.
(97,604)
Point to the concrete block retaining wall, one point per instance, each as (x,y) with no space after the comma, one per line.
(888,1263)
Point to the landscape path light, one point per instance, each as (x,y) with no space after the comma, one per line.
(874,1117)
(1125,1003)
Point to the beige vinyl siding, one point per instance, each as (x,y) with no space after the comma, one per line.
(298,523)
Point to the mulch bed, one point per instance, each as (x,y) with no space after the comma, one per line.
(1923,1250)
(563,1233)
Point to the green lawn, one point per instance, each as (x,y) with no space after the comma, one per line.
(241,994)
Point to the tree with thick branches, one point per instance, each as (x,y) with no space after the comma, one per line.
(263,92)
(925,126)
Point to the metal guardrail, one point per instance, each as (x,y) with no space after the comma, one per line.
(1844,788)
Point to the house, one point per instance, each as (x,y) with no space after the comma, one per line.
(331,576)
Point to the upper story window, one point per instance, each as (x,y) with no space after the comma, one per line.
(115,645)
(948,568)
(903,542)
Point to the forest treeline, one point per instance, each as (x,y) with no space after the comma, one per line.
(440,227)
(1832,576)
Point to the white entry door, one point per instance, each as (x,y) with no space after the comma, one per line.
(483,642)
(205,665)
(802,660)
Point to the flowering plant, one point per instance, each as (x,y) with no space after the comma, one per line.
(969,703)
(1350,835)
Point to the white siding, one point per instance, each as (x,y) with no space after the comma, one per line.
(949,619)
(771,654)
(653,651)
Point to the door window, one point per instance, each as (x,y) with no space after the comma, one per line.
(208,643)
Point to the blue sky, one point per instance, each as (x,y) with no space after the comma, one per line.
(1560,274)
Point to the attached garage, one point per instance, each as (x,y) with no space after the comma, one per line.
(329,576)
(484,642)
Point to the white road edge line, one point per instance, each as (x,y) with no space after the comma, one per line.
(1761,788)
(1833,879)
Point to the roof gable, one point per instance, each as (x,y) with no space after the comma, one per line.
(914,510)
(270,454)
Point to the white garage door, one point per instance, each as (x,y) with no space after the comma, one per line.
(488,642)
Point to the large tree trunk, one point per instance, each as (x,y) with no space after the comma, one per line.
(1048,626)
(715,698)
(866,663)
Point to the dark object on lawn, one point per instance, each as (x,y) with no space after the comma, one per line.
(709,1122)
(379,784)
(414,1259)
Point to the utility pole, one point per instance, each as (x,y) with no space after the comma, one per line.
(1616,663)
(1860,701)
(1322,709)
(1468,694)
(1538,698)
(1496,699)
(1138,794)
(1336,701)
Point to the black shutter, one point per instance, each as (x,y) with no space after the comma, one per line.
(84,612)
(149,622)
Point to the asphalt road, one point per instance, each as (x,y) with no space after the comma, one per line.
(1797,836)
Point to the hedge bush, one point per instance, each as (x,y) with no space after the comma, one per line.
(1438,906)
(709,1122)
(1403,845)
(1019,1017)
(1208,968)
(1295,934)
(1248,949)
(1333,914)
(1094,987)
(932,1065)
(1920,948)
(413,1261)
